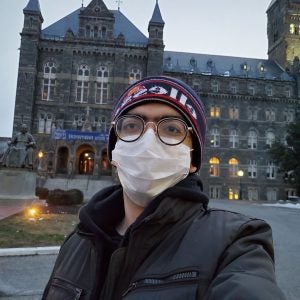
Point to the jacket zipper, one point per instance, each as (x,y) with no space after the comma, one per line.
(77,291)
(182,276)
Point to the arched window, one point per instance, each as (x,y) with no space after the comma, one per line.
(270,139)
(49,81)
(82,89)
(271,170)
(45,123)
(87,31)
(233,112)
(96,31)
(103,33)
(233,167)
(214,168)
(252,139)
(101,96)
(134,76)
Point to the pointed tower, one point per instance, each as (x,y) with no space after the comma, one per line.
(155,43)
(27,71)
(284,31)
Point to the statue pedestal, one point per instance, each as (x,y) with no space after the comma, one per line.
(17,184)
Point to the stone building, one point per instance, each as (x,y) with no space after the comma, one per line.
(71,72)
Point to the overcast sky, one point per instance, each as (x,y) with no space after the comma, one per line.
(224,27)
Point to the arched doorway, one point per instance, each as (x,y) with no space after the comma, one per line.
(62,160)
(85,157)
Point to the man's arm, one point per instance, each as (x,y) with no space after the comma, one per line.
(246,269)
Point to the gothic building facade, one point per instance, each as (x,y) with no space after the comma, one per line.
(71,72)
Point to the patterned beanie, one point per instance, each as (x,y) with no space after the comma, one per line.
(170,91)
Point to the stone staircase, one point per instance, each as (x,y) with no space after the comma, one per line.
(88,186)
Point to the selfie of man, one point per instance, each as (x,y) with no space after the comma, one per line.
(153,236)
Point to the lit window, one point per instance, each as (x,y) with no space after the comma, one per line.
(292,28)
(134,76)
(215,111)
(82,89)
(101,96)
(233,167)
(49,81)
(214,169)
(233,193)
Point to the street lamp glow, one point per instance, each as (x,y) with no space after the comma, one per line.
(40,154)
(240,173)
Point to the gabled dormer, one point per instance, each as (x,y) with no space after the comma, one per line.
(96,22)
(33,18)
(156,27)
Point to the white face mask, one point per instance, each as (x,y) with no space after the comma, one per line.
(147,166)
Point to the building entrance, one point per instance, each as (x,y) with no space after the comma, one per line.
(86,157)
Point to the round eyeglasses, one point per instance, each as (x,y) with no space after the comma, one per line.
(171,131)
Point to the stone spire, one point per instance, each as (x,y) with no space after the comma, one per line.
(156,17)
(33,5)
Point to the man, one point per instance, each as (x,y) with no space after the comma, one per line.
(20,151)
(153,236)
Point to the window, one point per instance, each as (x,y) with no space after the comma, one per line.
(294,29)
(252,114)
(103,33)
(233,113)
(215,138)
(270,115)
(269,91)
(288,115)
(214,168)
(252,139)
(215,87)
(272,194)
(215,192)
(87,31)
(252,169)
(42,121)
(252,194)
(233,167)
(271,170)
(233,138)
(45,123)
(215,111)
(270,139)
(287,92)
(233,193)
(101,96)
(82,89)
(233,87)
(251,89)
(134,76)
(49,81)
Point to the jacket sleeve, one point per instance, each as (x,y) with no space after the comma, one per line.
(246,268)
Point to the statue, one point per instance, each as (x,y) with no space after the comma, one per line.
(20,151)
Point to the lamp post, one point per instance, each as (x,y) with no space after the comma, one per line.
(240,174)
(40,156)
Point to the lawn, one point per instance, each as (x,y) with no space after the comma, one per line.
(48,227)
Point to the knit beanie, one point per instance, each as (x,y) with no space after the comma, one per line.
(172,92)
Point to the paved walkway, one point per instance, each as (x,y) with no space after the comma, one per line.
(7,210)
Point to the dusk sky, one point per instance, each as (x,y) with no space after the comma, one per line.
(231,27)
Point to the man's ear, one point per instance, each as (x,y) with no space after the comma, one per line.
(193,169)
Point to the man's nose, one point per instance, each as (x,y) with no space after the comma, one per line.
(151,125)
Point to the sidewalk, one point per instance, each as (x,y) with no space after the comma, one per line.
(7,210)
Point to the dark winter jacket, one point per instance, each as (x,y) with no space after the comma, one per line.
(177,249)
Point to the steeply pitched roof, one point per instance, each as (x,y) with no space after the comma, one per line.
(122,25)
(156,17)
(227,66)
(33,5)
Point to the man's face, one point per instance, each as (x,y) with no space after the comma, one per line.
(154,112)
(23,129)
